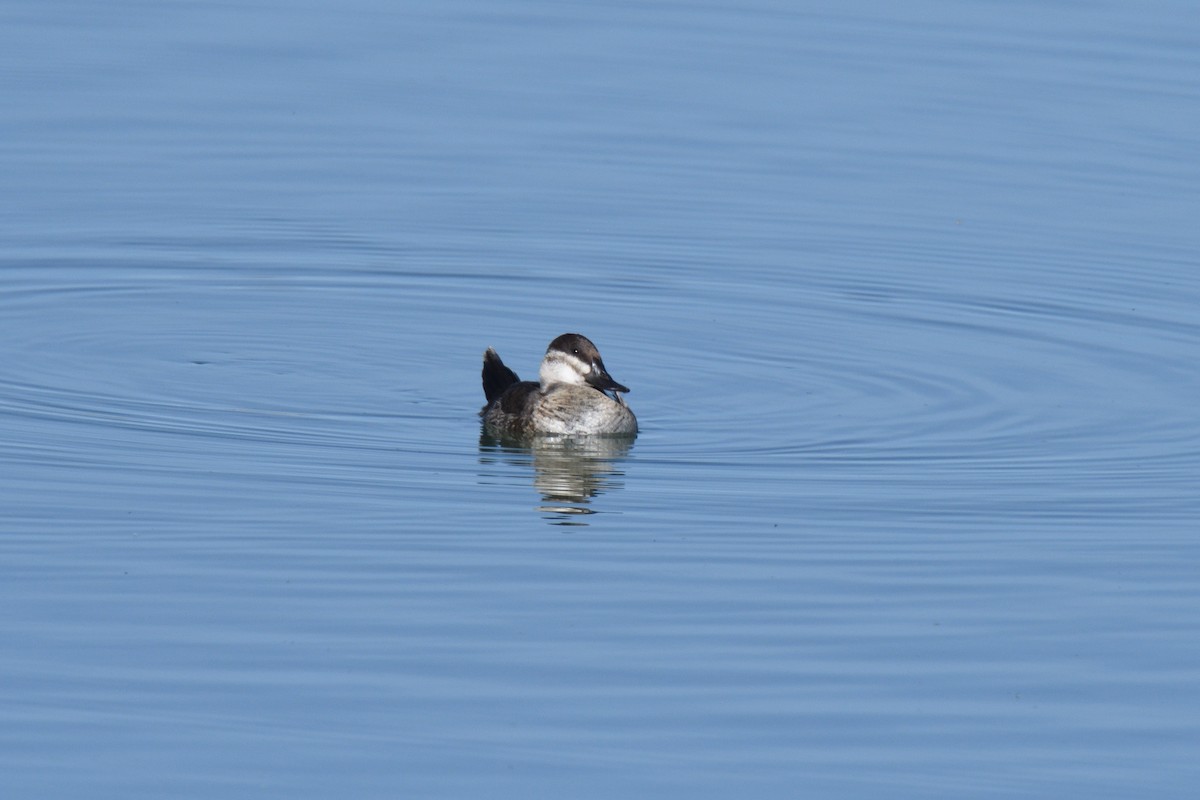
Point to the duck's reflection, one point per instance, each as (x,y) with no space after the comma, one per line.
(568,471)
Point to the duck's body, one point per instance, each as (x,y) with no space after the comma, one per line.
(571,397)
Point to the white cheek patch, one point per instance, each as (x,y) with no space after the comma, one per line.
(562,368)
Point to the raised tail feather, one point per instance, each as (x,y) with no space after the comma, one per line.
(496,376)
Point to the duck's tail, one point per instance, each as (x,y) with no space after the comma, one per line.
(496,376)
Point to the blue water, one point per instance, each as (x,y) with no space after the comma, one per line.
(907,299)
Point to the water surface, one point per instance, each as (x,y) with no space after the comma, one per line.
(906,299)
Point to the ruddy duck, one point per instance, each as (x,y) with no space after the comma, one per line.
(575,395)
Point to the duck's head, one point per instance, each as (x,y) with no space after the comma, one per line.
(573,359)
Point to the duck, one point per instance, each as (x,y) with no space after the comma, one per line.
(574,394)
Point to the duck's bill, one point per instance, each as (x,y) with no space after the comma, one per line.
(604,382)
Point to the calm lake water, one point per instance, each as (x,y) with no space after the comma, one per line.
(907,297)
